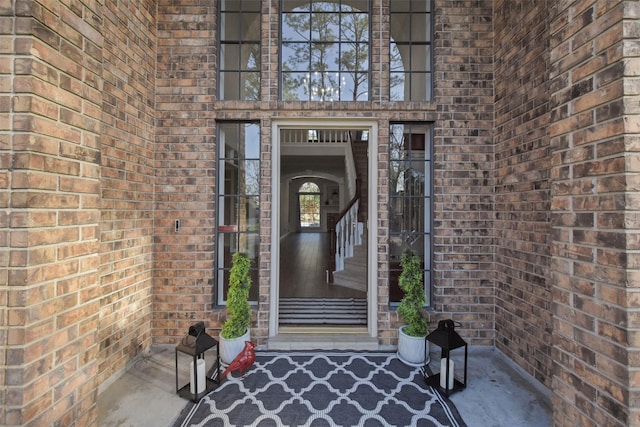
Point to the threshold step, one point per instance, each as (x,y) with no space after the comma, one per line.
(323,341)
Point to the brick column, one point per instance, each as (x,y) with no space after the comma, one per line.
(50,158)
(594,139)
(522,186)
(463,161)
(185,168)
(127,193)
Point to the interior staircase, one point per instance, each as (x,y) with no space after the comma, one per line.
(354,275)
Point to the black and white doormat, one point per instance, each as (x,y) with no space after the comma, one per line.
(323,311)
(323,389)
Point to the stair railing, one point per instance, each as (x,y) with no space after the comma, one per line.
(344,234)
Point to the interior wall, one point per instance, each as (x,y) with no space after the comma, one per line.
(522,186)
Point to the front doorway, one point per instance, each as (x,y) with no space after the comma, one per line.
(318,176)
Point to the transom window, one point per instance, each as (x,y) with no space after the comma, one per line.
(410,50)
(239,57)
(325,50)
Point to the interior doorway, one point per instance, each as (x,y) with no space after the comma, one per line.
(318,175)
(308,207)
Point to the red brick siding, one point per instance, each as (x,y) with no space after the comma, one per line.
(127,184)
(594,212)
(51,145)
(186,168)
(538,203)
(522,186)
(463,162)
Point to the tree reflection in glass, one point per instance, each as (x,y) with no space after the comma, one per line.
(325,51)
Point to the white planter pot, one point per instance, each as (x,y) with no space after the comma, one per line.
(230,348)
(412,350)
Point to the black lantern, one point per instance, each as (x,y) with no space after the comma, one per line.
(447,339)
(195,344)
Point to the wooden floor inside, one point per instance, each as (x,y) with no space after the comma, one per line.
(303,268)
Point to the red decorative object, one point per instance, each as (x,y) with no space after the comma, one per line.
(243,360)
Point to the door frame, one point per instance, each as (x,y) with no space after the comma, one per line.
(324,123)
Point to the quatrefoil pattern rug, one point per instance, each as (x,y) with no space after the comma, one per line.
(323,389)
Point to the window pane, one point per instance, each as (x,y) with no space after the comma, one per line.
(355,57)
(228,205)
(250,86)
(230,177)
(360,88)
(240,5)
(300,5)
(251,177)
(325,27)
(325,57)
(229,85)
(296,26)
(325,6)
(397,87)
(249,214)
(230,28)
(231,243)
(410,5)
(396,177)
(420,27)
(420,58)
(400,6)
(355,27)
(294,86)
(296,56)
(359,5)
(420,87)
(396,216)
(250,57)
(230,56)
(400,27)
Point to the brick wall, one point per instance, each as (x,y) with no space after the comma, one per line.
(95,271)
(522,186)
(127,187)
(187,112)
(185,172)
(463,161)
(51,144)
(594,135)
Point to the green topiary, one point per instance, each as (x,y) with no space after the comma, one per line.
(410,308)
(238,307)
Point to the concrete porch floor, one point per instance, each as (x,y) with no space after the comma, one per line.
(498,393)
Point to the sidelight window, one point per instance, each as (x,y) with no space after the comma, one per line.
(410,200)
(238,204)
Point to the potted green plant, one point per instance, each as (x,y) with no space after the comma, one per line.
(235,329)
(412,346)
